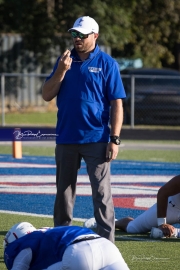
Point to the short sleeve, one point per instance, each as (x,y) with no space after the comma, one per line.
(115,88)
(54,69)
(22,260)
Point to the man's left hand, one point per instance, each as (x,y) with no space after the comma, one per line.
(111,151)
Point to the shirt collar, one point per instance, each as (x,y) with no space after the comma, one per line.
(92,54)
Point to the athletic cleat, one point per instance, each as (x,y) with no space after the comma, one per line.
(157,233)
(90,223)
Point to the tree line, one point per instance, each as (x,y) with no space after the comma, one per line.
(146,29)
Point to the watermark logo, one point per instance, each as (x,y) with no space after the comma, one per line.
(148,258)
(33,135)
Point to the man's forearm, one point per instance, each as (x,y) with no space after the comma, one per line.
(116,117)
(51,87)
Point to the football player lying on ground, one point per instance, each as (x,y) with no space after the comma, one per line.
(66,247)
(159,218)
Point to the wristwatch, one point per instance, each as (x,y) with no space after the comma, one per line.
(115,139)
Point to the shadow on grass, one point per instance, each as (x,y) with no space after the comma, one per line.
(3,233)
(123,236)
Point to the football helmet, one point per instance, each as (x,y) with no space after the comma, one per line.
(17,231)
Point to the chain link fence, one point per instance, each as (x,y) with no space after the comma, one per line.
(151,100)
(21,93)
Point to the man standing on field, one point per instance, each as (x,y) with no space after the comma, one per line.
(89,91)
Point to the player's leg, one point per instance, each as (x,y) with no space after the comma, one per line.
(93,254)
(112,258)
(144,222)
(98,170)
(148,219)
(67,165)
(123,223)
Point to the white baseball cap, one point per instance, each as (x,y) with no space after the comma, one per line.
(85,25)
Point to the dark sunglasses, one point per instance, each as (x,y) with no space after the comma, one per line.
(76,34)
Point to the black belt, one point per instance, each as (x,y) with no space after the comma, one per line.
(85,239)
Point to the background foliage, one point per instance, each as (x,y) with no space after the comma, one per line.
(146,29)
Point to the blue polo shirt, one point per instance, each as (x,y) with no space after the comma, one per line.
(84,98)
(47,247)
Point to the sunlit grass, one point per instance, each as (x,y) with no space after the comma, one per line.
(170,155)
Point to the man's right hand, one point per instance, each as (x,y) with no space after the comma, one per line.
(51,87)
(65,61)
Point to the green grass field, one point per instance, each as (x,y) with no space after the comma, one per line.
(48,118)
(124,154)
(139,251)
(31,118)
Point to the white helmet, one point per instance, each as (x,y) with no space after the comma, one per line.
(17,231)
